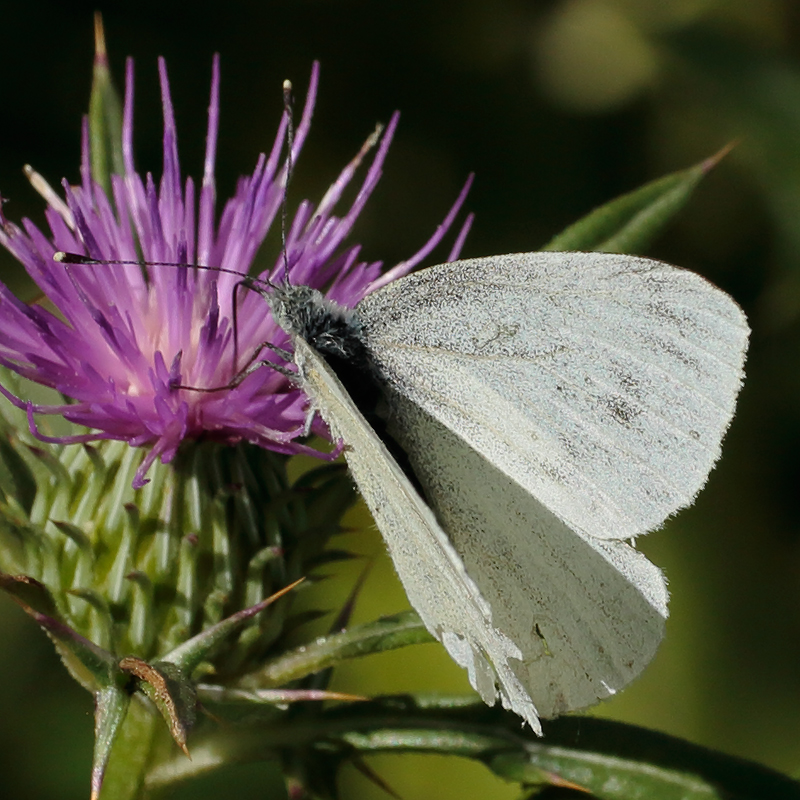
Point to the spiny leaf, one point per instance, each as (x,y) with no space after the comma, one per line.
(261,706)
(606,760)
(212,692)
(92,666)
(111,705)
(188,655)
(609,760)
(628,223)
(171,691)
(105,117)
(321,679)
(32,595)
(386,633)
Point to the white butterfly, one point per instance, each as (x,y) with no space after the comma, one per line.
(552,407)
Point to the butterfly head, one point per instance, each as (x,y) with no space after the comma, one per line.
(330,328)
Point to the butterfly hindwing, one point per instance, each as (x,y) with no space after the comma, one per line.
(587,614)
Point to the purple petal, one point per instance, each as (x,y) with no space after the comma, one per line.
(127,339)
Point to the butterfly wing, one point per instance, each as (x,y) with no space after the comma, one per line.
(545,619)
(601,383)
(587,614)
(432,573)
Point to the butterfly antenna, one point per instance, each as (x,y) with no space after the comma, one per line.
(288,107)
(257,284)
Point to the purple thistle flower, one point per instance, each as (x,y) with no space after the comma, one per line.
(125,336)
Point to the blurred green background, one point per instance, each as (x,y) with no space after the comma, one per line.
(557,106)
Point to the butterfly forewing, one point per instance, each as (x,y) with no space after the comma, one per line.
(430,569)
(602,384)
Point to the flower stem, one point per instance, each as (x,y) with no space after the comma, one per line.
(142,732)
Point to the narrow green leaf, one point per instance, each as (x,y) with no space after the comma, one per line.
(105,116)
(190,654)
(25,548)
(610,760)
(140,631)
(32,595)
(615,761)
(101,628)
(87,663)
(17,480)
(602,759)
(243,707)
(133,753)
(257,575)
(92,666)
(77,535)
(111,706)
(321,678)
(628,223)
(387,633)
(15,548)
(49,461)
(214,693)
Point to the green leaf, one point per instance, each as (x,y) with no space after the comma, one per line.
(191,653)
(139,737)
(29,593)
(17,480)
(105,117)
(250,707)
(78,536)
(602,759)
(92,666)
(615,761)
(111,706)
(609,760)
(628,223)
(387,633)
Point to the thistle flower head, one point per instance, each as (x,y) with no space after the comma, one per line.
(124,338)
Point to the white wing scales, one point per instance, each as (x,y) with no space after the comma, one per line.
(587,614)
(431,571)
(602,384)
(550,622)
(552,406)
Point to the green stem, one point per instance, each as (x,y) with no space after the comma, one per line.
(141,733)
(609,760)
(386,633)
(439,729)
